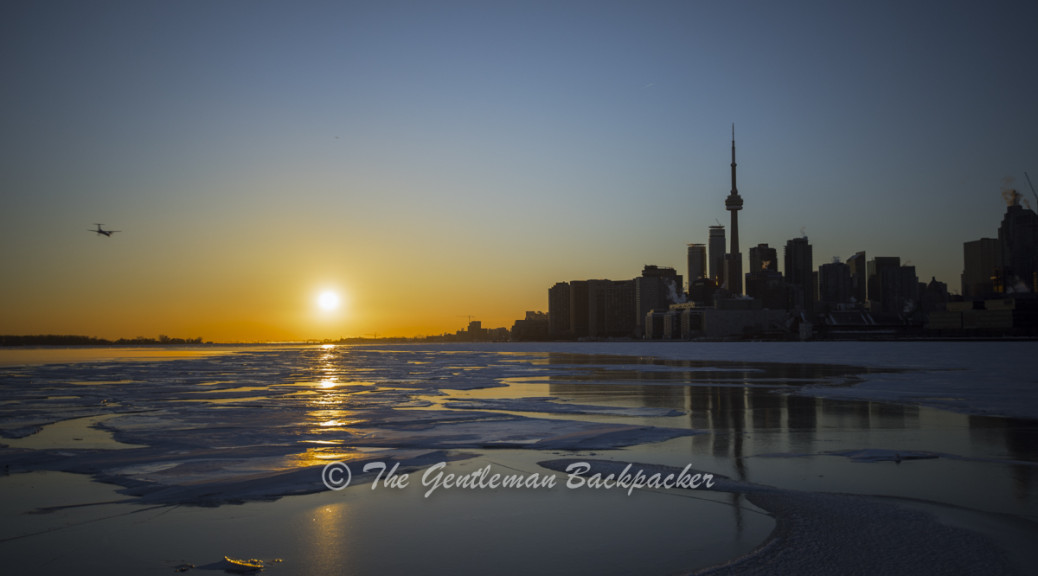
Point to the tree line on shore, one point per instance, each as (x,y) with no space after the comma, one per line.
(75,340)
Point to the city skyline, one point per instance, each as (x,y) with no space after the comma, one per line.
(428,162)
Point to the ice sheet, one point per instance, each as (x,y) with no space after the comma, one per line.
(262,423)
(229,418)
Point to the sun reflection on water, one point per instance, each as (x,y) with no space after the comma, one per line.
(328,538)
(321,455)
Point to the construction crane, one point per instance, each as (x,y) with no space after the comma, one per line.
(1032,186)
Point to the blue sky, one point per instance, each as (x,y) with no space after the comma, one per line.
(440,159)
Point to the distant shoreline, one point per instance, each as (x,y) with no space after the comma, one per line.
(58,341)
(77,340)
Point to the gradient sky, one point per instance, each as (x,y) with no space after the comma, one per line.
(432,160)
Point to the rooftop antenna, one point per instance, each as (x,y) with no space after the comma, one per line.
(1032,186)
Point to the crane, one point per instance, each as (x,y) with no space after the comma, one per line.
(1032,186)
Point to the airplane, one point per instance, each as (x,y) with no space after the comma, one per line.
(101,231)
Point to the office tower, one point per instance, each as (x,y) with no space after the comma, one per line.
(558,310)
(933,296)
(656,289)
(763,257)
(717,248)
(1018,238)
(800,273)
(907,298)
(893,288)
(578,308)
(702,292)
(696,263)
(733,204)
(610,310)
(859,277)
(834,283)
(763,281)
(982,268)
(884,284)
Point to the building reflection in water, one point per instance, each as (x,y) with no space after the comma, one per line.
(745,409)
(728,400)
(1020,439)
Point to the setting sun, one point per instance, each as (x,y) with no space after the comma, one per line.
(328,300)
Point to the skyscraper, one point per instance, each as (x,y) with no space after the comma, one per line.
(717,254)
(800,273)
(696,263)
(734,260)
(763,257)
(982,268)
(1018,236)
(763,281)
(891,285)
(559,317)
(656,289)
(578,308)
(859,277)
(610,308)
(834,283)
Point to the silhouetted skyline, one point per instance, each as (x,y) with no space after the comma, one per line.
(433,160)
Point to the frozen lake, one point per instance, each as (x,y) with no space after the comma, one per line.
(903,457)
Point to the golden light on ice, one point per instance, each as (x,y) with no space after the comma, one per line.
(328,300)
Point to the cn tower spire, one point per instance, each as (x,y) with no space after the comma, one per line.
(734,189)
(734,201)
(734,259)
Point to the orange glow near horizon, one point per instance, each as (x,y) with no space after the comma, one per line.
(237,313)
(249,299)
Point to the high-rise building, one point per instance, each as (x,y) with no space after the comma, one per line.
(696,262)
(934,296)
(763,257)
(656,289)
(733,204)
(558,310)
(982,268)
(578,308)
(907,299)
(799,266)
(859,277)
(884,284)
(763,281)
(611,306)
(834,283)
(893,288)
(717,250)
(1018,236)
(702,292)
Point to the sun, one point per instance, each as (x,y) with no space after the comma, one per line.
(328,300)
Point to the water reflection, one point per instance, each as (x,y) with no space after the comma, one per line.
(750,413)
(1019,439)
(328,539)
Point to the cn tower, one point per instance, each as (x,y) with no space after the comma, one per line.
(733,204)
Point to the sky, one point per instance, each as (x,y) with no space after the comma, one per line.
(432,161)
